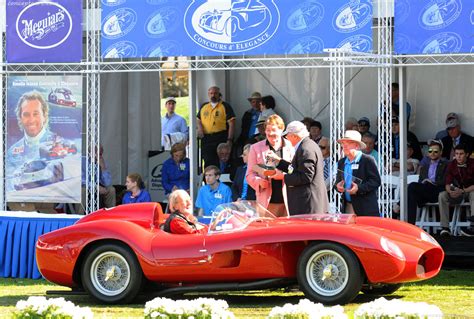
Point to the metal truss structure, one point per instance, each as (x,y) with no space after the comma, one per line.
(336,60)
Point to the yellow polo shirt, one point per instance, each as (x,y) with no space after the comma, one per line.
(214,120)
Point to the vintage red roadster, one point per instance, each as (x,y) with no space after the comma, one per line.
(114,253)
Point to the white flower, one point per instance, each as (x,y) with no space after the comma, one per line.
(308,310)
(40,307)
(200,308)
(383,308)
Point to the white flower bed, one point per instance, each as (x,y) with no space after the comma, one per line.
(306,309)
(201,308)
(385,309)
(57,308)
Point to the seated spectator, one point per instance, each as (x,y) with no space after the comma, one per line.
(226,166)
(443,133)
(260,136)
(455,137)
(173,126)
(369,140)
(241,190)
(175,171)
(430,183)
(364,127)
(351,124)
(181,219)
(315,129)
(412,163)
(267,107)
(213,193)
(136,192)
(396,102)
(411,138)
(459,186)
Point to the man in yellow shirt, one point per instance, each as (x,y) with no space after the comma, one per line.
(215,124)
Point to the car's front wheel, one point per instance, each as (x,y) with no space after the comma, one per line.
(112,274)
(329,273)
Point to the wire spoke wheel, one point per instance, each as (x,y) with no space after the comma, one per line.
(110,273)
(327,272)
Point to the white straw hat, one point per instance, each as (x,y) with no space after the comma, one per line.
(354,136)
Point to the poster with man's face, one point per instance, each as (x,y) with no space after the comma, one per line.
(44,143)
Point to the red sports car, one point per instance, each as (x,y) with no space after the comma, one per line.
(113,253)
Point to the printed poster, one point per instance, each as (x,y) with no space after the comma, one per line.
(44,141)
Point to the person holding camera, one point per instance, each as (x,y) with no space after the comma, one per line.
(459,187)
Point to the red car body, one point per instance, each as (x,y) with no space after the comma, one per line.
(380,253)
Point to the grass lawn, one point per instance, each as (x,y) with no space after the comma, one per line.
(182,107)
(452,291)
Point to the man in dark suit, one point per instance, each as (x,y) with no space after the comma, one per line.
(455,137)
(357,177)
(304,176)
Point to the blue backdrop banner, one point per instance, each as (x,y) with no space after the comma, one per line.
(157,28)
(434,26)
(44,31)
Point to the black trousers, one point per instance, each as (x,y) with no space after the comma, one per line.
(209,147)
(418,195)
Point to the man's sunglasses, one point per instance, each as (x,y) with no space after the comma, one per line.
(433,151)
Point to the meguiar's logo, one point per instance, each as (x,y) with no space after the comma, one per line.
(353,16)
(439,14)
(44,25)
(231,25)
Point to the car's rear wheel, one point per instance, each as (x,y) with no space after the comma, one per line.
(112,274)
(231,27)
(329,273)
(381,290)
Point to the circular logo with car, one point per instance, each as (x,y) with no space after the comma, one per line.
(445,42)
(231,26)
(353,16)
(356,43)
(162,22)
(163,49)
(306,45)
(439,14)
(119,50)
(44,25)
(118,23)
(305,17)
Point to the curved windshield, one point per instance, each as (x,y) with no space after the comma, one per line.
(236,216)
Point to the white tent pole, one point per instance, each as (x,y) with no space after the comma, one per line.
(403,144)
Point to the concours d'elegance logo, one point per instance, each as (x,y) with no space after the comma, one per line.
(118,23)
(439,14)
(44,25)
(231,26)
(353,16)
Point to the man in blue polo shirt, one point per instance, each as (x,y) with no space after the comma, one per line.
(213,193)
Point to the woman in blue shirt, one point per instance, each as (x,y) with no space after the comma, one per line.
(136,192)
(175,170)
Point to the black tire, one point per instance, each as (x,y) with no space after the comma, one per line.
(339,263)
(127,275)
(381,290)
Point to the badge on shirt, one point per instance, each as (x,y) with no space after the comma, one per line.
(218,195)
(182,166)
(290,169)
(355,166)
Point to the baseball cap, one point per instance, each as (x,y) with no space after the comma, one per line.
(295,127)
(168,99)
(364,120)
(452,123)
(255,96)
(451,116)
(437,142)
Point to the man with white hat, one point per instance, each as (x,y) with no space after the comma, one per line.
(171,124)
(357,177)
(304,178)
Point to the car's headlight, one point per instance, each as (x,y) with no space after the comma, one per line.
(392,248)
(428,238)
